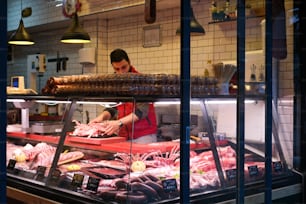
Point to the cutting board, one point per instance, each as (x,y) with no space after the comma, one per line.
(135,148)
(71,160)
(95,141)
(80,156)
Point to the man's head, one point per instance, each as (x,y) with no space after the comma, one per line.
(120,61)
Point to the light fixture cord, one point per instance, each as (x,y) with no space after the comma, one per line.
(21,8)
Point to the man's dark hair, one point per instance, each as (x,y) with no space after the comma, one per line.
(118,54)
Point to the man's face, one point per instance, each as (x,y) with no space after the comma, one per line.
(121,67)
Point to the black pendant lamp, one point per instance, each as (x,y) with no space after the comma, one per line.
(21,36)
(195,26)
(75,33)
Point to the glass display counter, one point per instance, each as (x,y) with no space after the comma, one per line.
(62,159)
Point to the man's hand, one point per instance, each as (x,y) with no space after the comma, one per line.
(112,127)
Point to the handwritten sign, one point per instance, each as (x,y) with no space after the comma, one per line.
(169,185)
(253,170)
(93,184)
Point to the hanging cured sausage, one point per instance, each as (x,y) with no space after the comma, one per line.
(150,11)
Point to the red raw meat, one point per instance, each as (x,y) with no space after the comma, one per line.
(192,154)
(106,172)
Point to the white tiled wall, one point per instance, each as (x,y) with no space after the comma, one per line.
(218,44)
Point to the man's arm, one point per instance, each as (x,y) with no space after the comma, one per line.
(107,114)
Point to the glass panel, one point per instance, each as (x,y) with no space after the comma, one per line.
(33,132)
(98,167)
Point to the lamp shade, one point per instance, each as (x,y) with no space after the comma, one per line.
(195,26)
(21,36)
(75,33)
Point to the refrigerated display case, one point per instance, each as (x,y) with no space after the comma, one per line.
(216,149)
(65,167)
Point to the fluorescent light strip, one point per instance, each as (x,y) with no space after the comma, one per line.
(15,100)
(37,101)
(52,102)
(228,101)
(206,102)
(114,104)
(105,104)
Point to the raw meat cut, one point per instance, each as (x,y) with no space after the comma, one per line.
(89,130)
(105,172)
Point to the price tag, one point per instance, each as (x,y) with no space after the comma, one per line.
(77,180)
(253,170)
(169,185)
(11,164)
(93,184)
(277,166)
(55,175)
(40,173)
(231,174)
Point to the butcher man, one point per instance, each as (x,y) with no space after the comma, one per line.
(136,122)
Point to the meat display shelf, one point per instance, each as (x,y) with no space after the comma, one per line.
(217,190)
(163,147)
(93,141)
(33,137)
(81,142)
(254,193)
(110,144)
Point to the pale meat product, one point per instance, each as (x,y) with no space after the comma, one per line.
(38,148)
(41,154)
(10,148)
(70,156)
(88,130)
(43,159)
(116,164)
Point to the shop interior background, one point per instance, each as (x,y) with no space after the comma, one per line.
(112,24)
